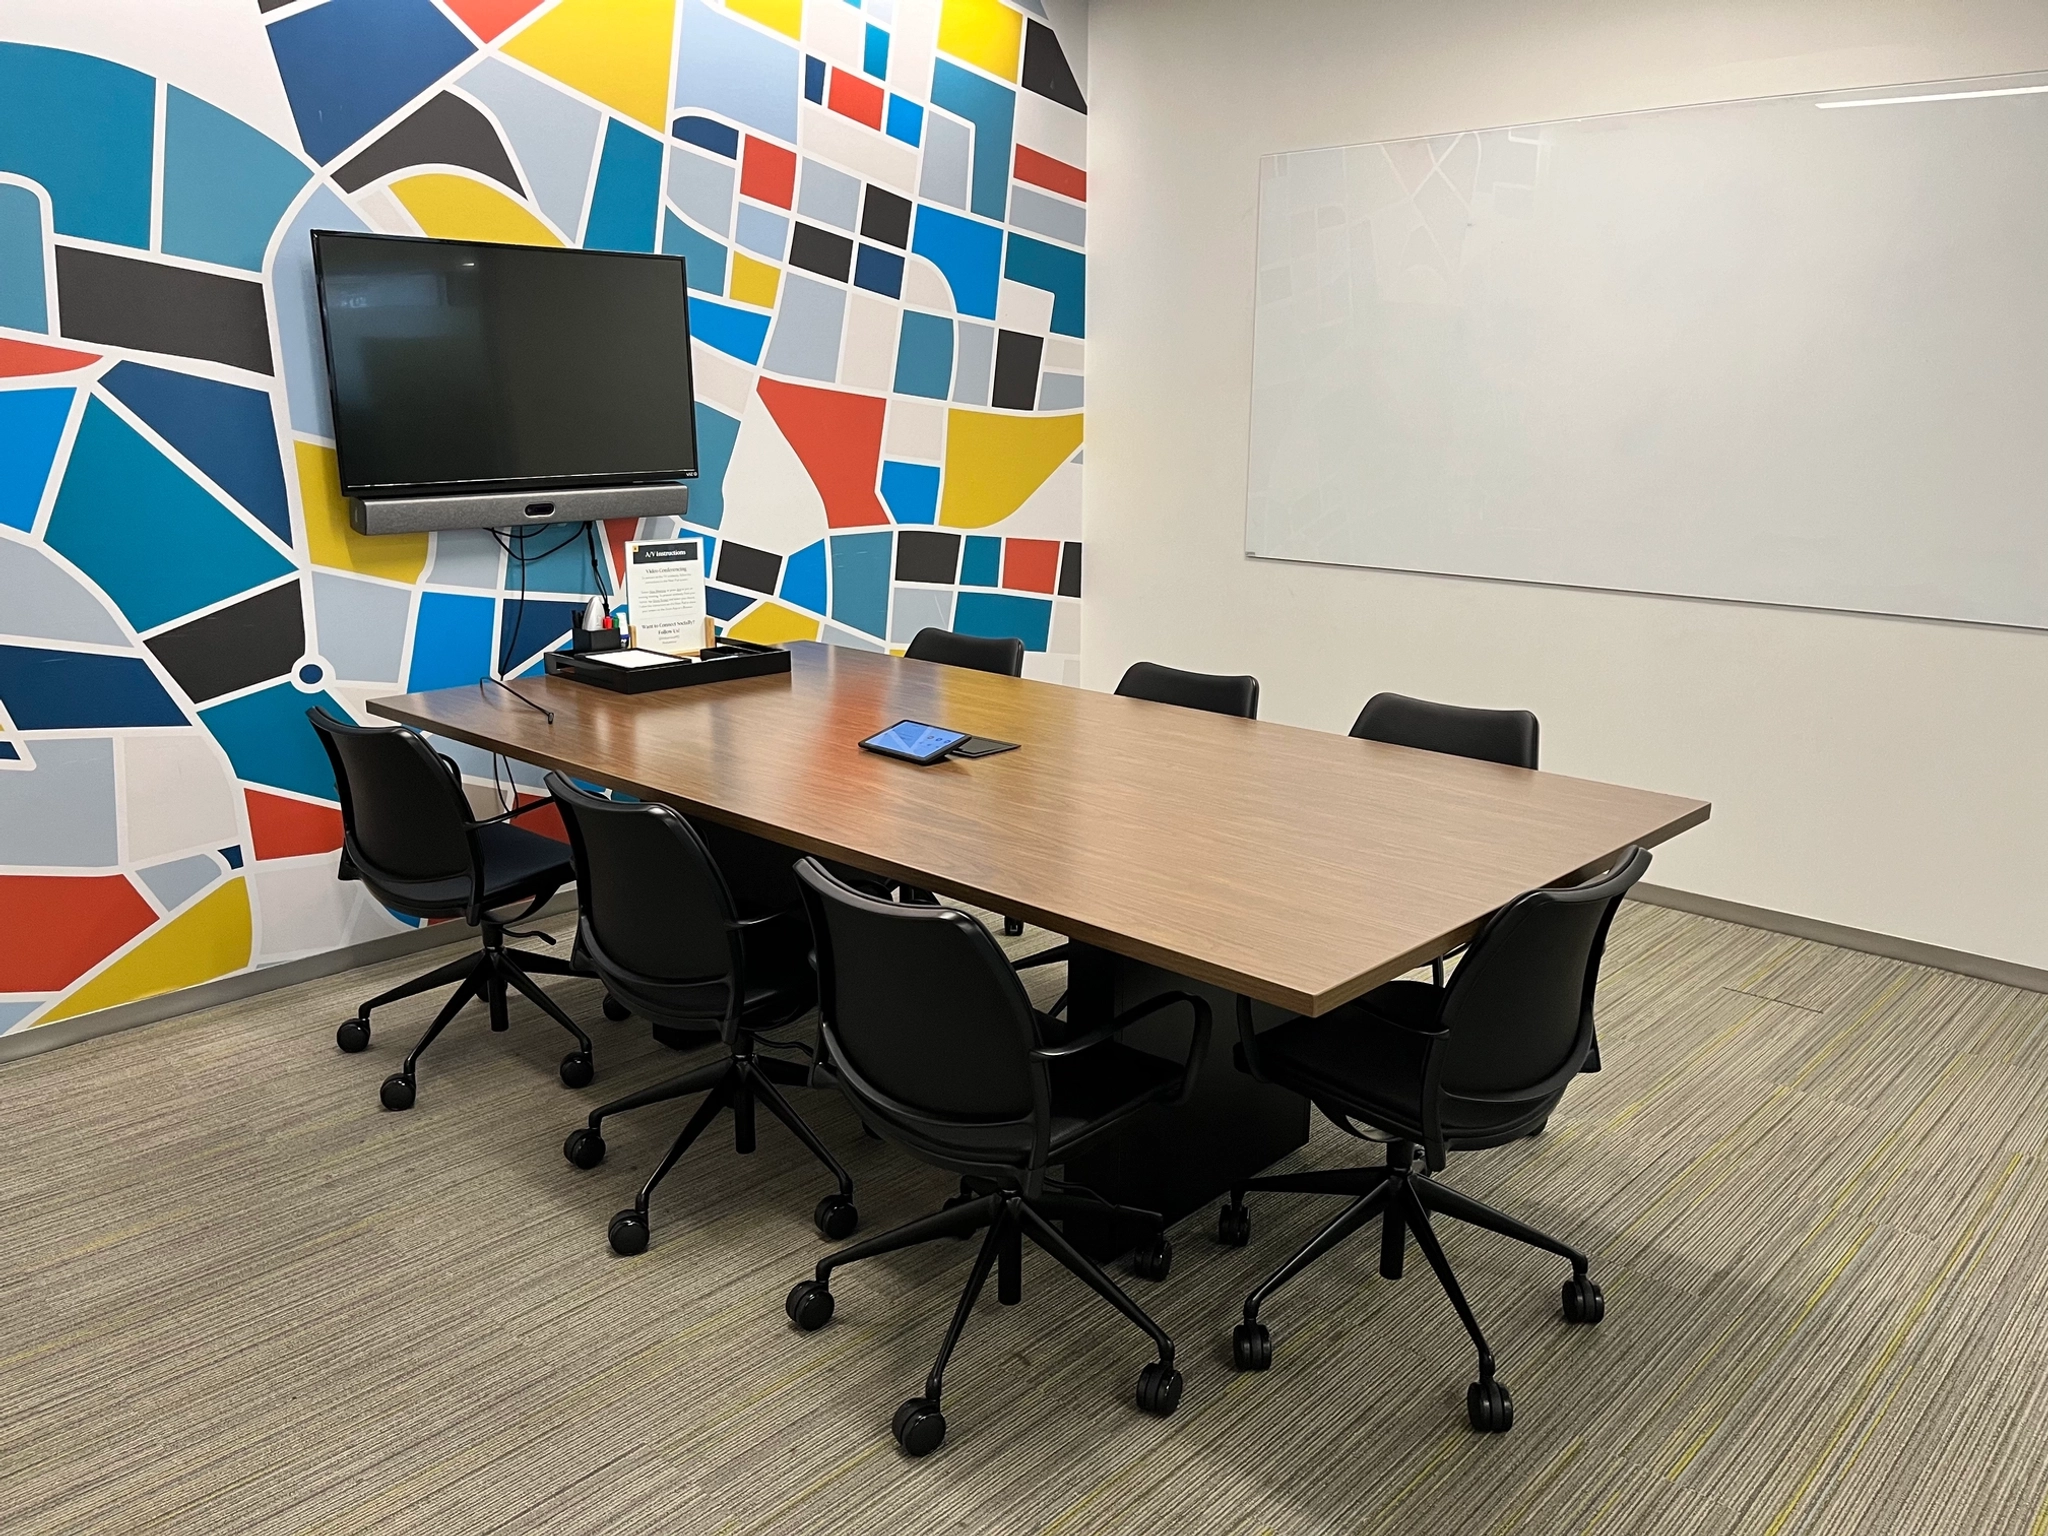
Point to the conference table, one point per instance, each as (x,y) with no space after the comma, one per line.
(1177,849)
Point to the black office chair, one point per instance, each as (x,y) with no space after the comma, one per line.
(929,1032)
(1490,735)
(1218,694)
(409,835)
(662,927)
(1476,1064)
(981,653)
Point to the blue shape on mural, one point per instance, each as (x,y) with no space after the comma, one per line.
(297,308)
(803,578)
(266,738)
(992,108)
(156,543)
(86,130)
(24,294)
(874,59)
(233,852)
(860,580)
(556,562)
(31,426)
(703,257)
(1000,616)
(814,80)
(726,66)
(911,490)
(451,641)
(532,626)
(77,691)
(349,64)
(716,435)
(905,121)
(709,133)
(739,333)
(924,356)
(9,753)
(225,184)
(223,428)
(727,605)
(968,254)
(981,562)
(1061,272)
(622,209)
(879,271)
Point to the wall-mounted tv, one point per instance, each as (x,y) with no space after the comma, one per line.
(461,366)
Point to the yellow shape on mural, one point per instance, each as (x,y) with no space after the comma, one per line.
(615,51)
(773,624)
(456,208)
(329,539)
(210,940)
(986,33)
(994,463)
(783,15)
(754,282)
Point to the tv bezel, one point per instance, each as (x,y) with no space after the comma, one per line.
(361,490)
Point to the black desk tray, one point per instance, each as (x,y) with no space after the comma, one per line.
(729,660)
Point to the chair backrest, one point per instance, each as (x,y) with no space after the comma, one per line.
(1519,1008)
(655,907)
(922,1005)
(403,810)
(1492,735)
(1004,656)
(1215,692)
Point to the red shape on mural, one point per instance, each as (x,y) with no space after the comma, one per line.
(839,438)
(1031,565)
(1053,175)
(18,359)
(768,172)
(487,18)
(547,823)
(59,927)
(618,533)
(284,828)
(861,100)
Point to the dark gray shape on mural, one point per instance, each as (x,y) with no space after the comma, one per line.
(1046,71)
(120,301)
(446,131)
(1070,570)
(740,565)
(922,555)
(1017,357)
(236,647)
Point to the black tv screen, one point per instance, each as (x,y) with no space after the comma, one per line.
(457,365)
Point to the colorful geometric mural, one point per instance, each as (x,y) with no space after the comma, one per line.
(883,209)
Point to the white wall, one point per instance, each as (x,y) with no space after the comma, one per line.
(1885,774)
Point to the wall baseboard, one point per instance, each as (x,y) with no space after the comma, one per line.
(245,984)
(2008,973)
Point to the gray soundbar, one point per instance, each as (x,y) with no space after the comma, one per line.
(515,509)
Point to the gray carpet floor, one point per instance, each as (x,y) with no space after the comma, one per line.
(238,1296)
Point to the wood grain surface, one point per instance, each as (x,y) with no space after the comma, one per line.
(1298,867)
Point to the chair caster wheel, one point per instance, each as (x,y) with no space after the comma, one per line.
(584,1148)
(1153,1260)
(1489,1407)
(577,1070)
(835,1218)
(628,1234)
(919,1427)
(353,1036)
(1233,1226)
(615,1010)
(1583,1301)
(1251,1347)
(809,1305)
(1159,1389)
(397,1092)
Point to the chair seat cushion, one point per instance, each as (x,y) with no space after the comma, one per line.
(1103,1084)
(518,866)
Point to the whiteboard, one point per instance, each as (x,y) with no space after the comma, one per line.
(1790,351)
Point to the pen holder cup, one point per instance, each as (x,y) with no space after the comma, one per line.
(581,639)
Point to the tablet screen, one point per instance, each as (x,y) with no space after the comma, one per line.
(913,738)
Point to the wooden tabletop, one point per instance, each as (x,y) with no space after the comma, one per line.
(1298,867)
